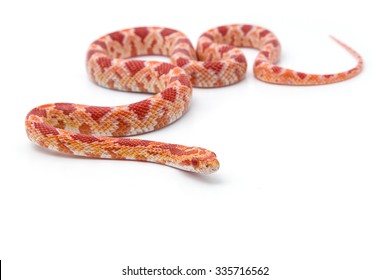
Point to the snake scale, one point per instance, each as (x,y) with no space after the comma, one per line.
(97,132)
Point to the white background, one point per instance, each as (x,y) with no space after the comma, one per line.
(304,180)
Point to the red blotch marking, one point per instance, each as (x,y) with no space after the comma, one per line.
(246,28)
(97,112)
(205,46)
(37,112)
(264,33)
(182,61)
(101,44)
(183,40)
(85,138)
(132,142)
(141,86)
(103,62)
(141,108)
(46,129)
(225,49)
(185,162)
(118,75)
(209,36)
(276,69)
(275,43)
(181,50)
(301,75)
(265,53)
(240,58)
(328,76)
(141,32)
(164,68)
(259,61)
(134,66)
(66,108)
(215,66)
(169,94)
(174,150)
(123,127)
(60,124)
(133,49)
(223,30)
(167,32)
(178,150)
(85,129)
(92,52)
(113,152)
(111,83)
(195,162)
(117,36)
(150,49)
(183,79)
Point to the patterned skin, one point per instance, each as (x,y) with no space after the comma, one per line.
(217,45)
(93,131)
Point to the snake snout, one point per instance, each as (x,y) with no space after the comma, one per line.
(210,166)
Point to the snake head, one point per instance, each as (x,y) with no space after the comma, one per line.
(200,161)
(209,165)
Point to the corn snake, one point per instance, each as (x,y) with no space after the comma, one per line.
(98,132)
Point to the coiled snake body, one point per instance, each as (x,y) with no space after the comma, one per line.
(97,132)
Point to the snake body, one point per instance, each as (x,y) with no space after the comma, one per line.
(98,132)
